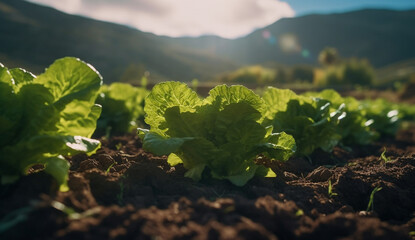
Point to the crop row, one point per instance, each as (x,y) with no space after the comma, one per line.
(43,119)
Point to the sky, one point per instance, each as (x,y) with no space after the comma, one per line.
(225,18)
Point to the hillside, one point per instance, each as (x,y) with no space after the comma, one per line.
(32,36)
(382,36)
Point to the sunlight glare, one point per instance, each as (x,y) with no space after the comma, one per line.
(229,19)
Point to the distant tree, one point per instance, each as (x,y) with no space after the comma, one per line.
(133,73)
(303,73)
(282,75)
(358,72)
(407,91)
(328,56)
(334,76)
(250,74)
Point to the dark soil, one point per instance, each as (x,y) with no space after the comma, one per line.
(122,192)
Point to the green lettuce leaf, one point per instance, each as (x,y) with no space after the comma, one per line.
(309,120)
(167,95)
(47,117)
(353,126)
(123,108)
(220,134)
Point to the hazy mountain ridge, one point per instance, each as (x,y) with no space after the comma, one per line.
(33,36)
(47,34)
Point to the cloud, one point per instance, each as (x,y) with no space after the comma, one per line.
(226,18)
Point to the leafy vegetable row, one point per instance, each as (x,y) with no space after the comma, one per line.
(45,118)
(225,132)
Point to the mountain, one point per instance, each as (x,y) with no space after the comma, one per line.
(32,36)
(382,36)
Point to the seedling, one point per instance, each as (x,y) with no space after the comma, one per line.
(118,146)
(383,157)
(109,168)
(120,195)
(299,213)
(72,214)
(14,218)
(370,205)
(330,190)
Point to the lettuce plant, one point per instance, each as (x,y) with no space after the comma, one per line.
(309,120)
(44,118)
(366,120)
(221,133)
(385,116)
(122,108)
(355,126)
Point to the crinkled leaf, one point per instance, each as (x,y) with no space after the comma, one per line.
(220,133)
(183,124)
(160,145)
(223,95)
(276,100)
(10,113)
(71,79)
(78,118)
(352,120)
(384,116)
(51,116)
(5,76)
(237,123)
(278,146)
(166,95)
(39,116)
(21,76)
(310,124)
(123,107)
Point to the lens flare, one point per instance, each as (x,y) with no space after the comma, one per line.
(289,43)
(305,53)
(266,34)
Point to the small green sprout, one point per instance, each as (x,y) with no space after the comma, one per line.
(72,214)
(14,218)
(330,190)
(109,168)
(383,157)
(412,234)
(299,213)
(370,205)
(120,195)
(118,146)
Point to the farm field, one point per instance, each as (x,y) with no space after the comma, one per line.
(142,197)
(232,165)
(212,120)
